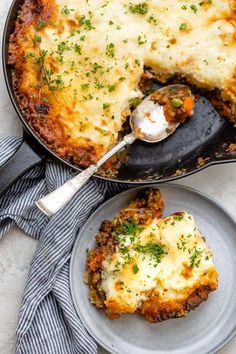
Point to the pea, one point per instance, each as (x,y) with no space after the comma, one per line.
(176,103)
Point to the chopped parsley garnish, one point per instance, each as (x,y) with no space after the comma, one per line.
(47,77)
(104,132)
(84,86)
(104,4)
(130,227)
(96,67)
(66,11)
(110,50)
(183,27)
(135,268)
(111,88)
(86,23)
(106,105)
(29,55)
(37,39)
(62,47)
(194,8)
(117,266)
(99,85)
(140,9)
(181,245)
(41,57)
(142,40)
(41,24)
(77,48)
(156,250)
(57,87)
(151,19)
(206,2)
(59,80)
(178,217)
(195,258)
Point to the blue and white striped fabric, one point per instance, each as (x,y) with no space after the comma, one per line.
(48,322)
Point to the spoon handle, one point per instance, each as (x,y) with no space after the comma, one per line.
(57,199)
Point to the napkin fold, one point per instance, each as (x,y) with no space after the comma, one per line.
(48,322)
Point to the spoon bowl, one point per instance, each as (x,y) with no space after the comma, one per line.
(148,121)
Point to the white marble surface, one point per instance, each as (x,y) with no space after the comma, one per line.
(16,248)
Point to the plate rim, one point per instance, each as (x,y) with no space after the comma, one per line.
(156,185)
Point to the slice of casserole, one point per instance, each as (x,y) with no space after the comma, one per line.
(77,64)
(159,267)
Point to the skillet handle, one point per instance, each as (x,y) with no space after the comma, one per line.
(23,160)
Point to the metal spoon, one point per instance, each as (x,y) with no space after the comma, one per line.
(148,123)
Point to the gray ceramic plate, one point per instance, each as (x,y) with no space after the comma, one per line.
(205,330)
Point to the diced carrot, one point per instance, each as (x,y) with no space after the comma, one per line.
(188,104)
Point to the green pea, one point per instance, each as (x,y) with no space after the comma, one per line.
(176,103)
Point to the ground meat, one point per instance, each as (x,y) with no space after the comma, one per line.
(198,296)
(106,242)
(144,209)
(155,312)
(104,232)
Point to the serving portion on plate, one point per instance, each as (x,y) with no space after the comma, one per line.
(204,330)
(159,267)
(80,66)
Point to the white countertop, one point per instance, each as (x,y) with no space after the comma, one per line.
(16,248)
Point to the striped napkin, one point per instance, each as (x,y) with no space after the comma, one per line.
(48,322)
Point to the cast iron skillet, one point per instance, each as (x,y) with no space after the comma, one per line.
(206,135)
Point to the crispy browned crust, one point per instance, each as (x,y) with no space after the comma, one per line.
(154,311)
(143,210)
(40,115)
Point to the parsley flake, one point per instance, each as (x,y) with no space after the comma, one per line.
(77,48)
(194,8)
(110,50)
(37,39)
(195,258)
(106,105)
(140,9)
(183,27)
(40,24)
(135,268)
(156,250)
